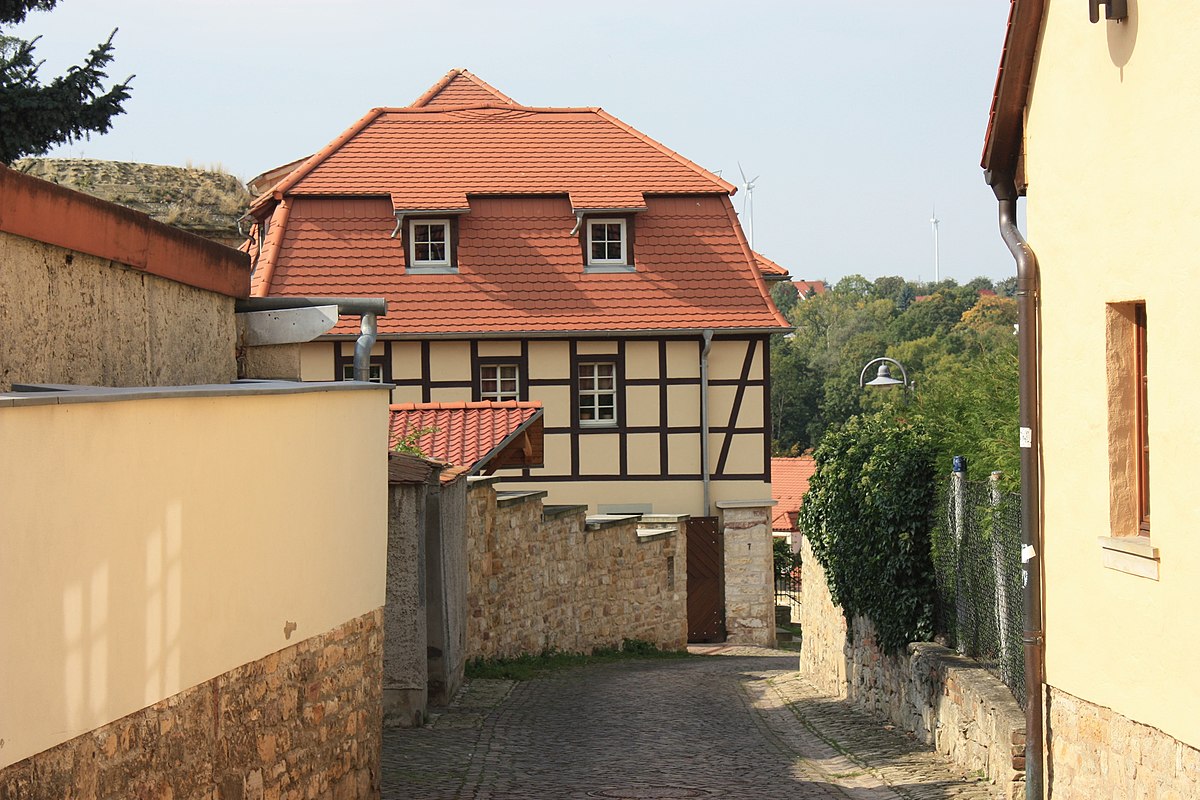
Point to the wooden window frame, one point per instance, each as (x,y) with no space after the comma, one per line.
(594,393)
(447,264)
(500,396)
(1142,426)
(622,264)
(374,370)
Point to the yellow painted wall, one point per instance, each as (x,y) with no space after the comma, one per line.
(1112,214)
(150,545)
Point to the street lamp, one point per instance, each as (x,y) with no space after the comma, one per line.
(884,376)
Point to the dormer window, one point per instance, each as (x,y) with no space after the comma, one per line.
(429,243)
(608,243)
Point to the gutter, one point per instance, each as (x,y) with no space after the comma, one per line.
(707,480)
(369,309)
(1033,636)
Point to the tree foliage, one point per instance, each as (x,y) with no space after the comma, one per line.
(868,515)
(956,343)
(35,116)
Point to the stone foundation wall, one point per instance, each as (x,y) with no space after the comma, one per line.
(1094,752)
(947,701)
(545,578)
(303,722)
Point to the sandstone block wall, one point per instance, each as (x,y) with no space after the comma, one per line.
(303,722)
(405,670)
(1098,754)
(945,700)
(749,573)
(549,580)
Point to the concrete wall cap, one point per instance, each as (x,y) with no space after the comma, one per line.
(746,503)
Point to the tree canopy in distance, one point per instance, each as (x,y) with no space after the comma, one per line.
(35,116)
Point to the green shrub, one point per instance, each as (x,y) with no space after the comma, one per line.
(868,515)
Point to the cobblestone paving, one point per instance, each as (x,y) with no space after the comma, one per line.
(738,724)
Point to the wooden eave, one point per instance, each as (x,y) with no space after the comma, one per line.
(1002,148)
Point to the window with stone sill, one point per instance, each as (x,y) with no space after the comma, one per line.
(608,244)
(597,393)
(430,245)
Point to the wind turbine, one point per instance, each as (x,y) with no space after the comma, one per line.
(937,273)
(748,203)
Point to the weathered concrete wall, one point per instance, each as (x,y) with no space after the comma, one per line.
(945,700)
(68,317)
(301,722)
(749,572)
(405,670)
(542,579)
(455,589)
(1096,752)
(279,362)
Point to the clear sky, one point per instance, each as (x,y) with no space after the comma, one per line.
(858,116)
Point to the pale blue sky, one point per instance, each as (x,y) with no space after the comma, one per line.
(859,115)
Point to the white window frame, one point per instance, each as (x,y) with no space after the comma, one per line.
(594,393)
(374,372)
(498,375)
(623,261)
(413,261)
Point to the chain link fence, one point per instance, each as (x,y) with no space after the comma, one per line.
(977,562)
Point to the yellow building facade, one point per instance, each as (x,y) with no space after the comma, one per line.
(1108,149)
(646,456)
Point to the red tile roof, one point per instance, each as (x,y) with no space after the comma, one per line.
(463,434)
(460,88)
(768,267)
(517,175)
(520,270)
(804,287)
(789,482)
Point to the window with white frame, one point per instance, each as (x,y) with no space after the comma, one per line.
(375,374)
(499,382)
(597,393)
(429,243)
(607,242)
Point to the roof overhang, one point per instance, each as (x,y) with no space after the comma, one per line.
(656,333)
(1002,159)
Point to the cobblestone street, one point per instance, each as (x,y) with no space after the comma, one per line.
(738,723)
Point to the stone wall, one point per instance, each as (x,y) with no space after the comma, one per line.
(544,578)
(1094,752)
(303,722)
(405,670)
(749,572)
(948,702)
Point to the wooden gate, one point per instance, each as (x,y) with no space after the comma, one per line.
(705,581)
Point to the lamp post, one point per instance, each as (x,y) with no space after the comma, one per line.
(884,376)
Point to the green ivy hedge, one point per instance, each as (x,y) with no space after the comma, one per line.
(868,515)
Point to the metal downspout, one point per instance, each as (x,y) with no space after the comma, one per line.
(708,334)
(362,349)
(1031,505)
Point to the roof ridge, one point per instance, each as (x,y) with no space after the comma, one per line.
(724,184)
(498,106)
(293,177)
(449,77)
(461,405)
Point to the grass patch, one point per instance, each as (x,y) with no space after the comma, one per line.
(528,666)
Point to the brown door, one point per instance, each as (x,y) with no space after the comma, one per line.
(705,581)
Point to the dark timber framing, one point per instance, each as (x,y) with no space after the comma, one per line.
(621,429)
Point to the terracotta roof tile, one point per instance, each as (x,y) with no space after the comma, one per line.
(789,482)
(462,434)
(520,269)
(459,88)
(767,266)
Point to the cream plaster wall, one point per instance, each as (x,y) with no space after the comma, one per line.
(1112,210)
(406,360)
(316,362)
(493,347)
(548,359)
(641,359)
(644,453)
(683,359)
(450,361)
(152,544)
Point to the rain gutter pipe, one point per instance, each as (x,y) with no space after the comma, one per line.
(1033,636)
(368,308)
(707,334)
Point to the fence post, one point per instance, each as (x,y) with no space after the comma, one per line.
(958,482)
(1001,577)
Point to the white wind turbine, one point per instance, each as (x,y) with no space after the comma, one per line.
(748,203)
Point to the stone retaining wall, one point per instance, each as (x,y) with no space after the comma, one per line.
(303,722)
(945,700)
(1096,752)
(547,579)
(749,572)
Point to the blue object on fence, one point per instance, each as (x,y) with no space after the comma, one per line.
(960,464)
